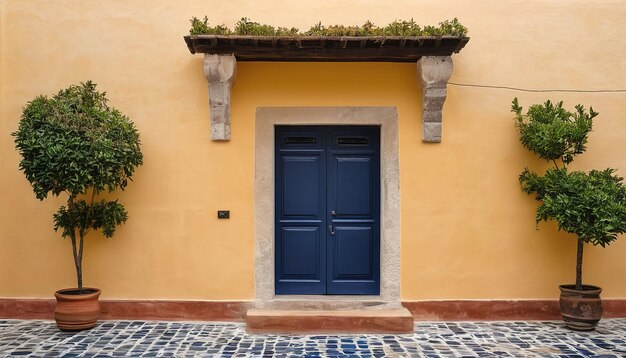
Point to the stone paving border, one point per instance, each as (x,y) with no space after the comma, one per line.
(196,339)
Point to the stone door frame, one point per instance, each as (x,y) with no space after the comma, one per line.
(265,120)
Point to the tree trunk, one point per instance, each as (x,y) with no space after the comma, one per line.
(79,263)
(579,265)
(79,276)
(78,256)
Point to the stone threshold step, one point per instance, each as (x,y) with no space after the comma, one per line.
(398,320)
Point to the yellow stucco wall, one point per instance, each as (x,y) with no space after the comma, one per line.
(467,230)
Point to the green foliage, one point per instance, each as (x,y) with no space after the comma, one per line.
(402,28)
(200,27)
(397,28)
(591,205)
(74,143)
(247,27)
(316,30)
(105,215)
(448,27)
(552,132)
(283,31)
(339,30)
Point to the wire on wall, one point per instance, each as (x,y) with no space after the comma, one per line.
(538,90)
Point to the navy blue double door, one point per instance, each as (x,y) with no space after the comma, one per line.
(327,210)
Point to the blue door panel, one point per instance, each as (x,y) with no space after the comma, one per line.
(301,187)
(355,249)
(300,225)
(353,187)
(327,210)
(353,197)
(300,249)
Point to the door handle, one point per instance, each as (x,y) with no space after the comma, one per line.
(330,228)
(333,213)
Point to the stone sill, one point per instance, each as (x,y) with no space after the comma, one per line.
(327,302)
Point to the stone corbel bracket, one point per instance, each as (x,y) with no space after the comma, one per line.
(220,71)
(434,73)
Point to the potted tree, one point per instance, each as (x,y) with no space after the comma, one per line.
(74,144)
(590,205)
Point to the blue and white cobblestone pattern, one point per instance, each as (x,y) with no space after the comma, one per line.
(431,339)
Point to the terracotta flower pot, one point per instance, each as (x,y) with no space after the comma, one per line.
(75,311)
(581,309)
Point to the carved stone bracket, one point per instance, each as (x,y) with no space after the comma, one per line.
(434,73)
(431,53)
(220,71)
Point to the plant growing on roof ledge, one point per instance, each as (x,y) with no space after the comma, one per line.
(75,144)
(402,28)
(590,205)
(399,41)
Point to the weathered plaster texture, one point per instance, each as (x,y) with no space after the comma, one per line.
(434,73)
(266,119)
(220,71)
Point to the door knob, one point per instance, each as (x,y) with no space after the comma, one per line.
(333,213)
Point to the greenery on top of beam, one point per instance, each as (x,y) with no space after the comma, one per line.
(247,27)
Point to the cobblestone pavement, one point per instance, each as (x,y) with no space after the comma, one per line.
(431,339)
